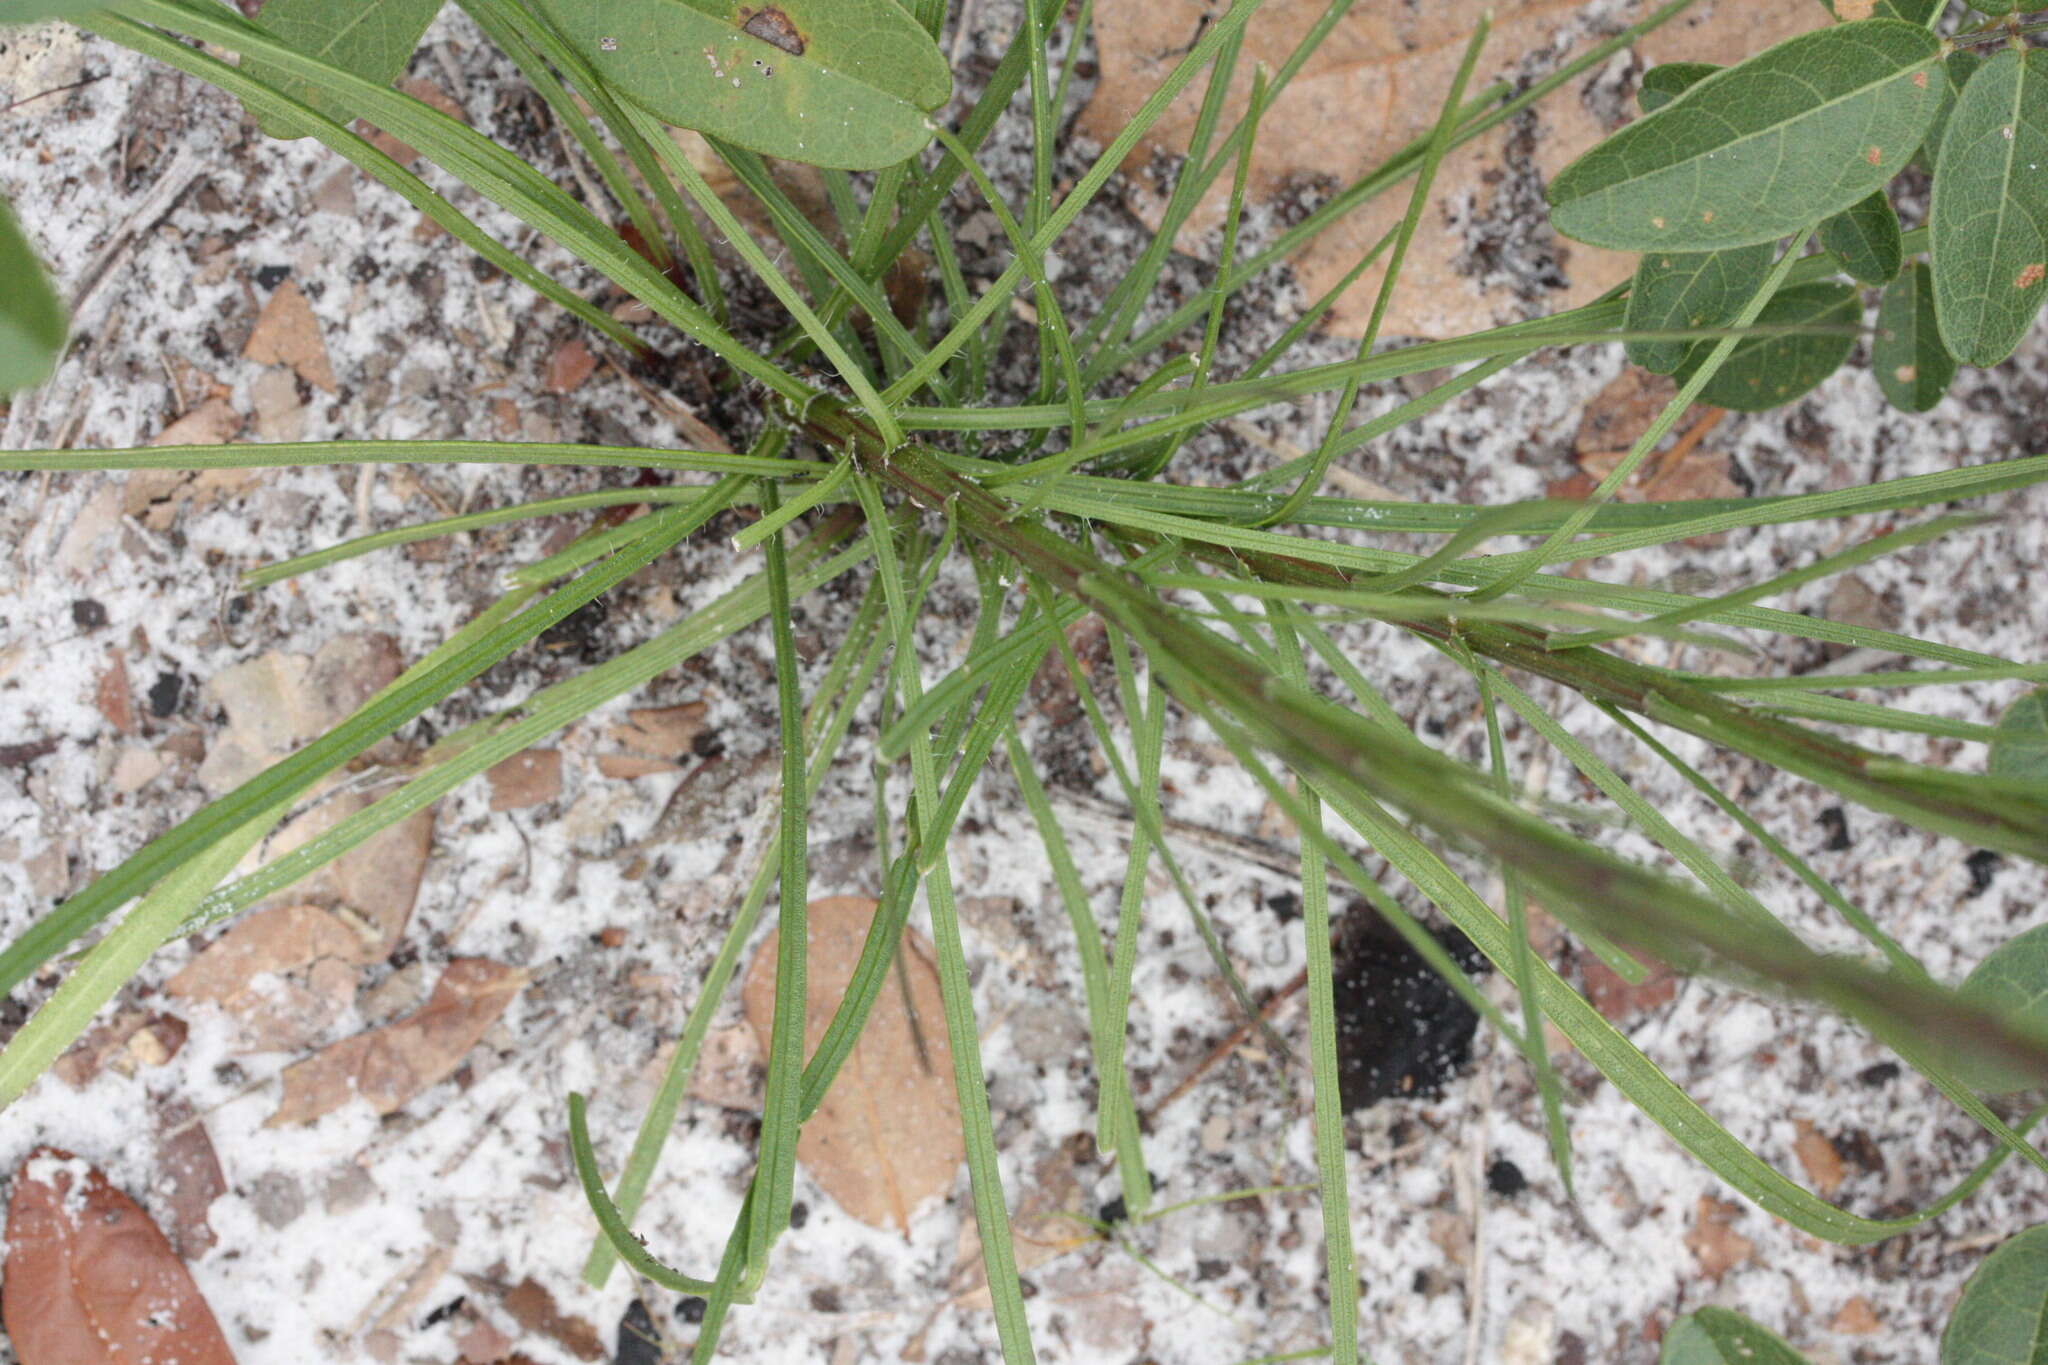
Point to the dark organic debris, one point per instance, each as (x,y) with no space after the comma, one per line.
(1401,1031)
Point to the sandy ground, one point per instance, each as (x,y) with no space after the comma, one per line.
(159,206)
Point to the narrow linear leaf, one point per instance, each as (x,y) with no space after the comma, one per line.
(1663,84)
(1912,366)
(1750,154)
(1716,1336)
(1867,239)
(1989,217)
(31,318)
(838,83)
(372,38)
(1770,371)
(35,11)
(1673,290)
(2002,1318)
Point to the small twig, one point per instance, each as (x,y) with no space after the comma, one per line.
(1227,1046)
(53,90)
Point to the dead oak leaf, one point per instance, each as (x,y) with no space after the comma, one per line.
(1823,1164)
(386,1067)
(887,1136)
(1713,1240)
(90,1280)
(1376,84)
(654,739)
(287,333)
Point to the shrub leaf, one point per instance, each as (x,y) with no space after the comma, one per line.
(1663,84)
(2003,1316)
(1989,216)
(1960,66)
(1769,371)
(2012,979)
(1866,237)
(1717,1336)
(373,39)
(1798,132)
(1678,289)
(1912,366)
(31,318)
(841,83)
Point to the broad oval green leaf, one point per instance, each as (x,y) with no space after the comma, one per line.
(1770,371)
(1796,133)
(1663,84)
(2019,747)
(840,83)
(1912,366)
(2002,1318)
(1996,7)
(1988,220)
(1912,11)
(1717,1336)
(2013,980)
(31,318)
(1960,66)
(1866,238)
(373,39)
(1674,290)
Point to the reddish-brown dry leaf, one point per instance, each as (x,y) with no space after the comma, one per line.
(1713,1241)
(287,333)
(126,1042)
(526,779)
(90,1280)
(189,1177)
(533,1307)
(571,364)
(213,423)
(1857,1319)
(1822,1162)
(114,696)
(1377,84)
(653,740)
(388,1066)
(887,1137)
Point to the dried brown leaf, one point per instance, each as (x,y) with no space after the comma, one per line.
(189,1177)
(90,1280)
(1818,1156)
(531,778)
(213,423)
(1377,84)
(386,1067)
(1713,1241)
(114,696)
(571,364)
(533,1307)
(887,1137)
(287,333)
(654,739)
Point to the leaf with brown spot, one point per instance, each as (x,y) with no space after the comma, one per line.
(287,333)
(1375,85)
(387,1066)
(887,1137)
(90,1280)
